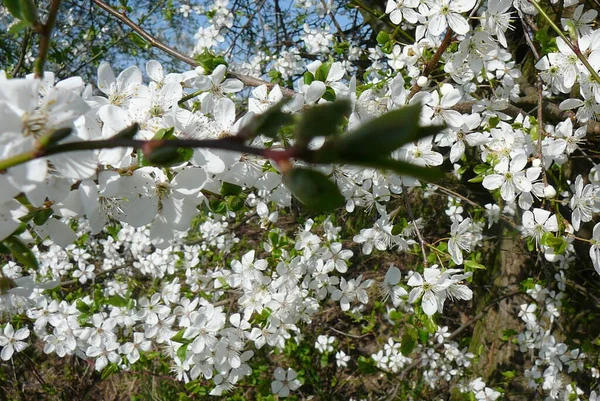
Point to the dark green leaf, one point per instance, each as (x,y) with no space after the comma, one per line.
(329,94)
(14,7)
(82,306)
(209,61)
(270,122)
(21,252)
(29,11)
(235,203)
(15,29)
(408,343)
(384,134)
(323,120)
(313,189)
(230,189)
(366,366)
(117,300)
(182,352)
(42,216)
(308,78)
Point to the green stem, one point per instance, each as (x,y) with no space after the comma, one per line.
(573,48)
(190,96)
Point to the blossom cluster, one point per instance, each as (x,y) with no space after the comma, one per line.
(110,217)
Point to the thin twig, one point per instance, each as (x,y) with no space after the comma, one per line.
(573,48)
(45,31)
(433,62)
(154,42)
(22,55)
(340,31)
(416,226)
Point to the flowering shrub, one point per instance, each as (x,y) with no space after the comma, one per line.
(413,219)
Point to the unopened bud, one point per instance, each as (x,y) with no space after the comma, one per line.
(549,192)
(422,81)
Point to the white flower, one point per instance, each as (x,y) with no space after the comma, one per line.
(284,382)
(390,287)
(11,341)
(447,12)
(509,180)
(324,344)
(460,239)
(539,222)
(431,287)
(341,359)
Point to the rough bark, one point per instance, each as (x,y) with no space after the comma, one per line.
(508,265)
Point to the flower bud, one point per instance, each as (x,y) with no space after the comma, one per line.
(549,192)
(422,81)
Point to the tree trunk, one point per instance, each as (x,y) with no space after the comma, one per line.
(508,265)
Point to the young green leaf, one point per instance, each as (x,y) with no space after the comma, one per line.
(383,135)
(313,189)
(323,120)
(21,252)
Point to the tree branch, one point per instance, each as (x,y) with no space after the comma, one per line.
(154,42)
(45,31)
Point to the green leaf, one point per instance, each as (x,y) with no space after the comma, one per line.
(322,72)
(329,94)
(164,133)
(17,28)
(14,7)
(308,78)
(82,306)
(381,136)
(29,12)
(230,189)
(471,264)
(366,366)
(313,189)
(21,252)
(117,300)
(209,61)
(270,122)
(408,342)
(388,47)
(109,371)
(42,216)
(322,120)
(182,352)
(139,41)
(179,337)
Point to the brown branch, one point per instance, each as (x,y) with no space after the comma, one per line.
(154,42)
(45,31)
(433,62)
